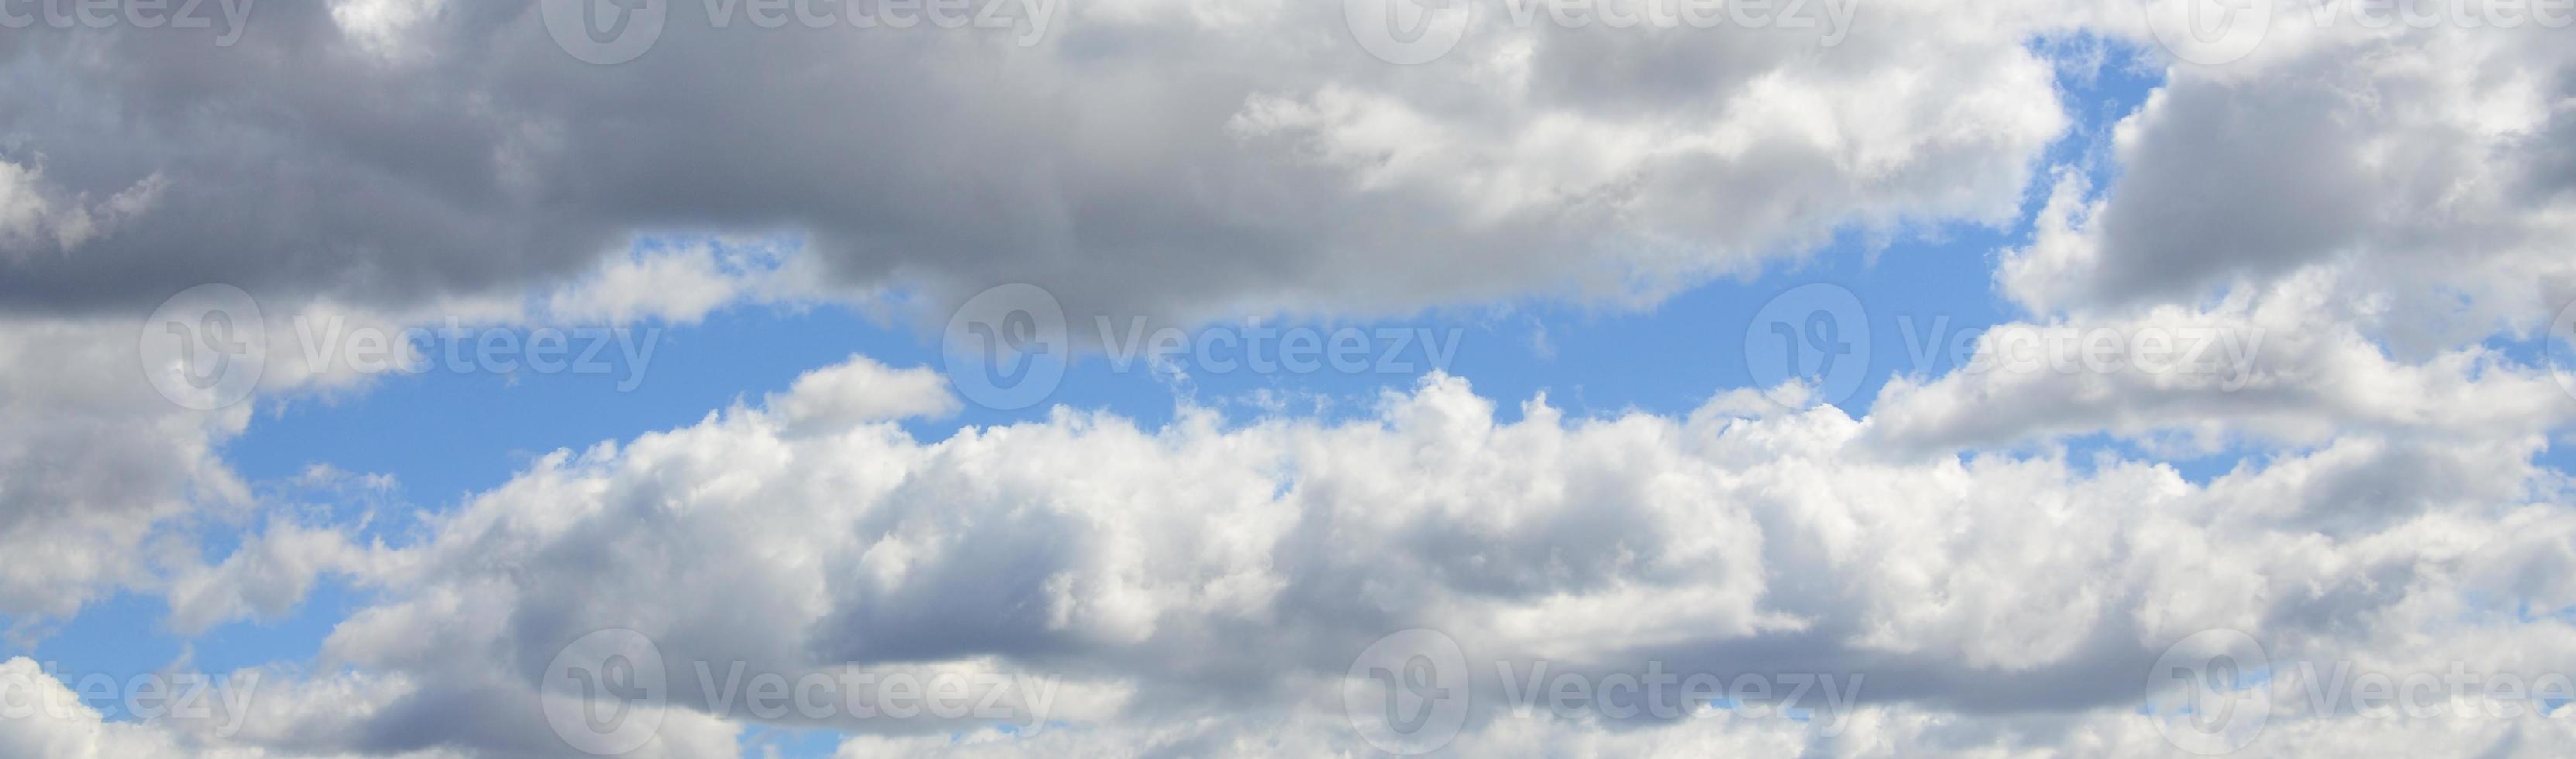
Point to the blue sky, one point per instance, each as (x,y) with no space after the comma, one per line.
(2368,456)
(465,433)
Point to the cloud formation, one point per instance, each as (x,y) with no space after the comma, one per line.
(1202,587)
(2370,212)
(1152,156)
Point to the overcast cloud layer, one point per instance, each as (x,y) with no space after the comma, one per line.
(1142,154)
(2387,210)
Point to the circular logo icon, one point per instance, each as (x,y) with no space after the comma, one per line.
(604,32)
(1408,693)
(1407,32)
(1809,346)
(2560,346)
(205,347)
(604,693)
(2207,693)
(2209,32)
(1007,347)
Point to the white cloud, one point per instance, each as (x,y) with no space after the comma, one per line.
(38,218)
(2422,170)
(91,458)
(861,390)
(680,284)
(1148,156)
(2366,207)
(1202,586)
(2286,367)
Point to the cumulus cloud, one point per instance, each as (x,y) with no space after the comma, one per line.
(90,459)
(680,282)
(2413,164)
(1141,156)
(1201,587)
(2370,210)
(2290,366)
(103,448)
(2361,210)
(37,218)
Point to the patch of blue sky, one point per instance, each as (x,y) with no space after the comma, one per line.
(444,436)
(788,743)
(2207,674)
(2086,453)
(118,637)
(292,640)
(447,435)
(126,635)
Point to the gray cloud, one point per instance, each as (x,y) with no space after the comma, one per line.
(386,160)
